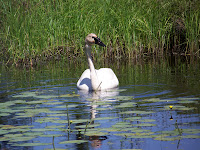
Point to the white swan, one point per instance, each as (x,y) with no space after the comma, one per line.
(92,79)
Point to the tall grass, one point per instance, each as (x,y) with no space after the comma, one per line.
(40,29)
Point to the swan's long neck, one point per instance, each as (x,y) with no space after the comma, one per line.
(93,75)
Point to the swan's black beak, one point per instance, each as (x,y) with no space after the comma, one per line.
(98,42)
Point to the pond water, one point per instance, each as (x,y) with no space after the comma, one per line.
(155,107)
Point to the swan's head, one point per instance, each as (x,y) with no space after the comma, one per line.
(93,39)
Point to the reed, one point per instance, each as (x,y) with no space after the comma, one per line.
(37,30)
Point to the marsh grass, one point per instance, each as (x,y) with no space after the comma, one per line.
(37,30)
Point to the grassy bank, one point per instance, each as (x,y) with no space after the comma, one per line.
(38,30)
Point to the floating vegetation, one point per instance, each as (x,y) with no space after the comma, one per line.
(91,126)
(34,95)
(52,135)
(147,120)
(191,131)
(187,101)
(135,135)
(105,118)
(123,98)
(137,112)
(119,116)
(145,125)
(122,125)
(32,144)
(95,132)
(42,120)
(153,100)
(21,138)
(73,141)
(25,94)
(4,114)
(55,126)
(161,138)
(126,104)
(179,107)
(70,95)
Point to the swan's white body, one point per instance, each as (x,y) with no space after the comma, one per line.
(106,77)
(92,79)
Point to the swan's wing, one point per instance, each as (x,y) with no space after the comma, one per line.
(107,78)
(84,83)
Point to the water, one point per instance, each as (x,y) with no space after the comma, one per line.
(38,104)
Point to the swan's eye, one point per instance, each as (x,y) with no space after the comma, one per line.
(96,39)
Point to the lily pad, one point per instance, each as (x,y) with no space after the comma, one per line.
(137,112)
(13,135)
(123,98)
(186,101)
(57,115)
(127,104)
(160,138)
(41,129)
(51,135)
(35,102)
(6,104)
(112,129)
(135,118)
(191,136)
(188,98)
(70,95)
(41,120)
(178,107)
(102,109)
(26,94)
(33,133)
(55,126)
(100,103)
(4,138)
(135,135)
(89,126)
(191,131)
(4,114)
(4,110)
(32,144)
(64,106)
(80,120)
(122,125)
(147,120)
(152,100)
(60,121)
(22,138)
(54,103)
(73,141)
(2,132)
(45,96)
(144,125)
(95,133)
(105,118)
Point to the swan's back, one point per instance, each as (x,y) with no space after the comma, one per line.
(106,76)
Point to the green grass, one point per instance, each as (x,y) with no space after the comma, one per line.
(40,29)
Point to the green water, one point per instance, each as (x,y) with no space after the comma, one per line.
(155,107)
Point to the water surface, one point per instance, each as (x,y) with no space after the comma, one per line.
(155,107)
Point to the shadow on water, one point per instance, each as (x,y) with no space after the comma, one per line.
(155,107)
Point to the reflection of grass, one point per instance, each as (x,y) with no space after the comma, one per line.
(33,30)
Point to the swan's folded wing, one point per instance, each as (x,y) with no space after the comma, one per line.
(107,78)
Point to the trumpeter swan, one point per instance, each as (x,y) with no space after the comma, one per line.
(92,79)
